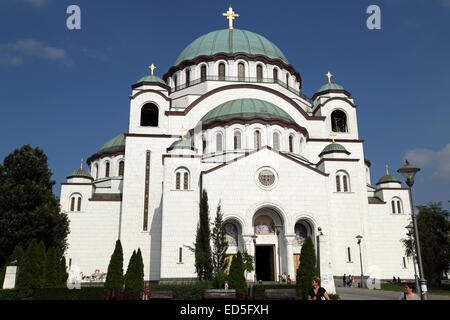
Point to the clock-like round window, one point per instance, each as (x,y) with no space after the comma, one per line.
(266,178)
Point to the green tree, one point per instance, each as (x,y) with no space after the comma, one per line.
(31,270)
(114,276)
(236,278)
(15,256)
(130,275)
(28,208)
(41,258)
(248,261)
(140,270)
(62,270)
(52,274)
(202,245)
(307,268)
(220,244)
(434,229)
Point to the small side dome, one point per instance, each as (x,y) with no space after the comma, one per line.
(182,144)
(152,79)
(388,179)
(80,173)
(330,86)
(332,148)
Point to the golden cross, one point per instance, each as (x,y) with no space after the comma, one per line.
(329,75)
(152,67)
(332,136)
(182,132)
(231,15)
(387,171)
(81,167)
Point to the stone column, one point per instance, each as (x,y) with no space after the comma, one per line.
(289,239)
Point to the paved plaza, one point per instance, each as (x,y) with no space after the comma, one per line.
(366,294)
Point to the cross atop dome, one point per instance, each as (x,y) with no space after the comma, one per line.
(231,15)
(329,75)
(152,68)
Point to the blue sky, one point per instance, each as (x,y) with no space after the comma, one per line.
(67,91)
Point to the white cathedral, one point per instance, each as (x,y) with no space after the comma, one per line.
(229,118)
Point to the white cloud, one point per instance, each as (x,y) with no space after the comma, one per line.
(437,161)
(15,53)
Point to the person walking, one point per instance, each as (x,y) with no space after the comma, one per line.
(409,293)
(353,281)
(344,280)
(317,292)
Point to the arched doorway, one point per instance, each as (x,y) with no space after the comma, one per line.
(268,226)
(303,229)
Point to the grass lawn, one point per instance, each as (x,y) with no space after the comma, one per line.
(401,287)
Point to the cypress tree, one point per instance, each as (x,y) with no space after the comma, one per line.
(62,271)
(220,244)
(52,277)
(140,271)
(29,278)
(130,276)
(41,258)
(236,278)
(114,276)
(307,268)
(203,259)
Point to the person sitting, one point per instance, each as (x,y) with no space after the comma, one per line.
(317,292)
(394,279)
(289,280)
(146,293)
(283,277)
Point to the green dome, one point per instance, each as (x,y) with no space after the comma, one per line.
(116,142)
(231,41)
(330,86)
(152,79)
(80,173)
(334,147)
(247,109)
(388,179)
(185,143)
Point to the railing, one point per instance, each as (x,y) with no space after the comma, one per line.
(240,79)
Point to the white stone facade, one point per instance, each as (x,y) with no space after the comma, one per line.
(304,189)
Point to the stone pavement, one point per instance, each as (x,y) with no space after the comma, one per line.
(366,294)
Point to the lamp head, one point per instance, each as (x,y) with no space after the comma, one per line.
(410,228)
(359,237)
(408,171)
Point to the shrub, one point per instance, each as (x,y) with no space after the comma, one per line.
(114,277)
(307,269)
(236,278)
(219,280)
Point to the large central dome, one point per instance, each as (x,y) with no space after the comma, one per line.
(231,41)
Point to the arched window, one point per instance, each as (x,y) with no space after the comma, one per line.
(259,73)
(149,115)
(287,80)
(231,234)
(188,77)
(342,182)
(96,171)
(222,71)
(107,167)
(182,173)
(302,141)
(178,178)
(241,71)
(275,75)
(175,81)
(121,168)
(338,121)
(237,140)
(204,144)
(257,138)
(349,256)
(219,142)
(276,141)
(396,205)
(302,231)
(75,202)
(203,73)
(291,143)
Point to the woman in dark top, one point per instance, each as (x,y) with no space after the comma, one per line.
(317,292)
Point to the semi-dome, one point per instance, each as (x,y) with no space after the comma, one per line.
(115,143)
(388,179)
(334,147)
(247,109)
(231,41)
(330,86)
(80,173)
(152,79)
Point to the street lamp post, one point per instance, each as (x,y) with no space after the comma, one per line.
(410,229)
(278,229)
(254,236)
(408,171)
(359,237)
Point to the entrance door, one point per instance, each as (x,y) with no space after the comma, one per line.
(265,270)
